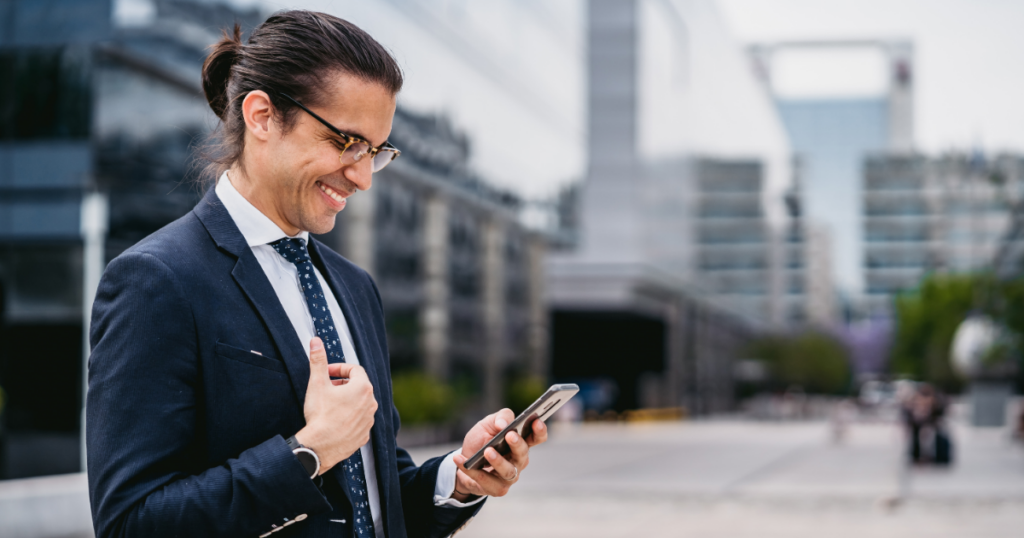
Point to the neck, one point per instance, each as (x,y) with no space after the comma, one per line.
(260,198)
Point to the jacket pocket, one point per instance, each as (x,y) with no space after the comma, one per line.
(248,357)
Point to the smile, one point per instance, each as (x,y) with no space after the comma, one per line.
(331,192)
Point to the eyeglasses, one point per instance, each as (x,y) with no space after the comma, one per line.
(355,148)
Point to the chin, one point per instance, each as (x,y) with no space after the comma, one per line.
(321,225)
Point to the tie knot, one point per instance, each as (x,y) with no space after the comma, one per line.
(292,249)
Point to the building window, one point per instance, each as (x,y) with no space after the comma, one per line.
(44,94)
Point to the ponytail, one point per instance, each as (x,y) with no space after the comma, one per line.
(292,52)
(224,54)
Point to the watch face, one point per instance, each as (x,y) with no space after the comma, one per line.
(308,461)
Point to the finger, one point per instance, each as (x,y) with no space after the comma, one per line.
(465,484)
(488,483)
(520,455)
(339,382)
(539,433)
(505,469)
(357,374)
(317,361)
(340,369)
(495,422)
(503,418)
(460,463)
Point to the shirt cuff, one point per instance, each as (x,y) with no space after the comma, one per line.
(446,485)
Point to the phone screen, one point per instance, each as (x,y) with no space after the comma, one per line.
(541,409)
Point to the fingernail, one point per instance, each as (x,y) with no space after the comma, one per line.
(316,344)
(491,453)
(500,423)
(512,437)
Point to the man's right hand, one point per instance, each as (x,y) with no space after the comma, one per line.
(339,412)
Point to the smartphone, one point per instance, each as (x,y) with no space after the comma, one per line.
(541,410)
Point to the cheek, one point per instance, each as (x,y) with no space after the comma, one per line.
(316,164)
(300,163)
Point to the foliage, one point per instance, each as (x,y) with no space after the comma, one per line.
(522,391)
(813,361)
(423,399)
(928,317)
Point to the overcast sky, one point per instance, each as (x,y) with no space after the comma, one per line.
(969,57)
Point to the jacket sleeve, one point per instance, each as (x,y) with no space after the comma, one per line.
(144,430)
(422,518)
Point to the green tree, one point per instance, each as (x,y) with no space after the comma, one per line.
(926,320)
(522,390)
(422,399)
(813,361)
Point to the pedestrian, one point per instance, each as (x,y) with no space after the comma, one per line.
(924,418)
(239,382)
(843,414)
(1018,430)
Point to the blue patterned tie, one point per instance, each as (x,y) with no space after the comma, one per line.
(294,250)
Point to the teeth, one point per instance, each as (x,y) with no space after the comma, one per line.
(330,192)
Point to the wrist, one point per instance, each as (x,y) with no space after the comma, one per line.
(460,492)
(307,438)
(307,457)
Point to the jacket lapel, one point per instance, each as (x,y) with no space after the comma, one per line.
(382,441)
(253,281)
(250,277)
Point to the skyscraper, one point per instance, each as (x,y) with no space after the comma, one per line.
(831,136)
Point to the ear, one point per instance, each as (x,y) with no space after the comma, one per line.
(258,113)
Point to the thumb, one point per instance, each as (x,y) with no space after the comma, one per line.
(503,418)
(317,362)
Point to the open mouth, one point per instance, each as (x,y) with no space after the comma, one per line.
(335,195)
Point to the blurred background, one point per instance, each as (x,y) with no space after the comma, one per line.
(779,244)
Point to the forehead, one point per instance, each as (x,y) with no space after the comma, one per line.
(358,107)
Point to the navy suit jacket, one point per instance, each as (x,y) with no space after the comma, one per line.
(186,427)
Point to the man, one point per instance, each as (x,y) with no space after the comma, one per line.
(239,382)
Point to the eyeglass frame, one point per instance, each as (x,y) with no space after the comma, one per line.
(349,139)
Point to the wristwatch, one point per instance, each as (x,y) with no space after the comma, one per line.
(309,460)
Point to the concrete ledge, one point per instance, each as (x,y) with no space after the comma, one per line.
(47,507)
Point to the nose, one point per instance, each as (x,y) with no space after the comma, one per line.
(360,173)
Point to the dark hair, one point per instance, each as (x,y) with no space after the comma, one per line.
(292,52)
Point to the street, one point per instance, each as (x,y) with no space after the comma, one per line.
(739,478)
(702,479)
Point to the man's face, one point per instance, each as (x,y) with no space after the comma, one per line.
(307,185)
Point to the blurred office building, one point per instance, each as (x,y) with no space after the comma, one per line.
(1009,258)
(953,213)
(833,129)
(101,114)
(460,277)
(97,120)
(682,220)
(747,265)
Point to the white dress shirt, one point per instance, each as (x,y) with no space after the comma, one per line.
(258,231)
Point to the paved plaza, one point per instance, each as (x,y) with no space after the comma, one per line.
(702,479)
(737,479)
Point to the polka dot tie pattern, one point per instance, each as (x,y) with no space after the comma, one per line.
(294,250)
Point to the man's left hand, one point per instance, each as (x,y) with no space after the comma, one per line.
(504,470)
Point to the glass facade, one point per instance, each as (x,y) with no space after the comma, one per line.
(831,138)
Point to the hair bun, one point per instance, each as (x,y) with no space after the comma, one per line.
(224,54)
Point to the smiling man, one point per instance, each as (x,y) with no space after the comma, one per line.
(239,382)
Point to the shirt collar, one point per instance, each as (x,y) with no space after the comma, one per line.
(256,228)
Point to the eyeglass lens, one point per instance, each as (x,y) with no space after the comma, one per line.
(382,159)
(358,150)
